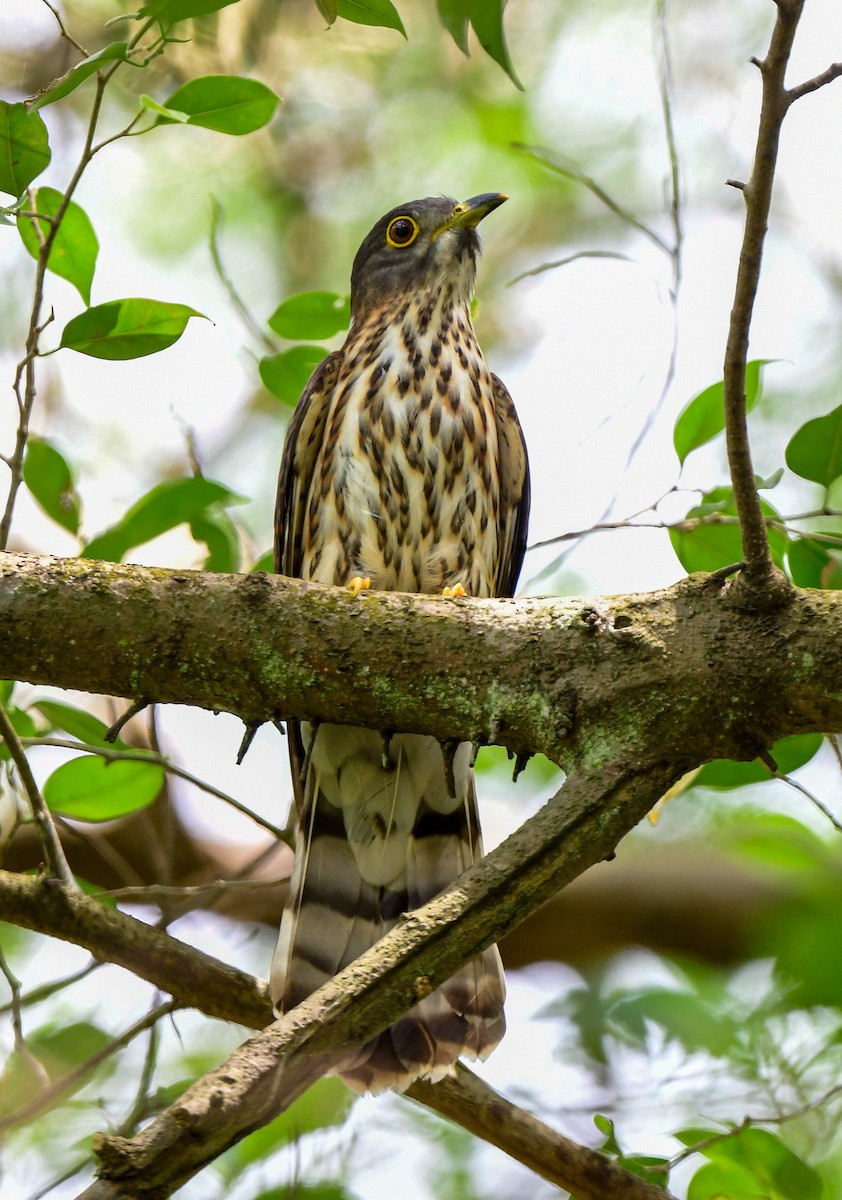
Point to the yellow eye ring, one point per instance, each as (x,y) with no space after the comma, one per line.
(402,231)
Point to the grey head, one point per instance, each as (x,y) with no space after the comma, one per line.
(420,249)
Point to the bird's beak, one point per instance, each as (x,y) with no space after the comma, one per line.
(470,212)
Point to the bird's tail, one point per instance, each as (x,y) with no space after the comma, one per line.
(340,903)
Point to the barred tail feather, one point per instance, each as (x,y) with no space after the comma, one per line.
(334,913)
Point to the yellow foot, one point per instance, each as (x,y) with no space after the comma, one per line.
(454,592)
(359,584)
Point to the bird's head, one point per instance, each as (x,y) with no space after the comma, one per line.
(425,247)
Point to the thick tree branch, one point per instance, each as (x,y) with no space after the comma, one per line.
(194,979)
(578,827)
(579,680)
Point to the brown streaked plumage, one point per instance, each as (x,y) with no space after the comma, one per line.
(404,463)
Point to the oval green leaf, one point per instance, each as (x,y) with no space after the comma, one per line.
(710,537)
(371,12)
(67,83)
(286,375)
(219,533)
(50,480)
(266,562)
(789,753)
(453,15)
(815,450)
(487,21)
(328,9)
(168,12)
(90,789)
(24,147)
(175,502)
(75,247)
(226,103)
(811,565)
(704,417)
(124,329)
(310,316)
(75,721)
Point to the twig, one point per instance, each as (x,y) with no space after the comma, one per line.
(152,756)
(63,30)
(819,804)
(758,198)
(15,1005)
(50,842)
(46,990)
(150,891)
(74,1079)
(253,326)
(547,160)
(834,71)
(564,262)
(471,1103)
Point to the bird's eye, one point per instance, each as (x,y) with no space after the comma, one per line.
(402,232)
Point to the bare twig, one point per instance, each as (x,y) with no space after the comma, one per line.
(834,71)
(15,1006)
(155,890)
(254,327)
(50,842)
(161,760)
(548,160)
(66,1084)
(46,990)
(758,198)
(814,800)
(68,37)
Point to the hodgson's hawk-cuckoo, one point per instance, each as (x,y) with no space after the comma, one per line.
(404,468)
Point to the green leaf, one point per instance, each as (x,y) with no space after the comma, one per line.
(218,532)
(286,375)
(75,247)
(24,147)
(310,316)
(371,12)
(6,689)
(704,417)
(75,721)
(324,1104)
(709,546)
(125,329)
(811,565)
(67,83)
(50,480)
(329,10)
(23,725)
(771,1162)
(226,103)
(171,114)
(815,450)
(90,789)
(789,753)
(266,562)
(725,1181)
(487,21)
(453,15)
(175,502)
(169,12)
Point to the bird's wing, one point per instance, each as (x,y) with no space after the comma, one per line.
(514,490)
(301,450)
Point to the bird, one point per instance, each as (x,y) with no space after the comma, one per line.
(404,468)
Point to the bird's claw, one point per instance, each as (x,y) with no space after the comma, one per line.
(453,593)
(359,584)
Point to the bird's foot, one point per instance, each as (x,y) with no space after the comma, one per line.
(359,584)
(453,593)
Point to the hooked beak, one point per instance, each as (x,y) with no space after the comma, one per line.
(470,212)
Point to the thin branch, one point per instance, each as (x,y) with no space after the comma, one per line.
(46,990)
(15,1006)
(151,756)
(154,890)
(63,30)
(50,841)
(471,1103)
(834,71)
(546,159)
(69,1083)
(564,262)
(819,804)
(254,327)
(758,199)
